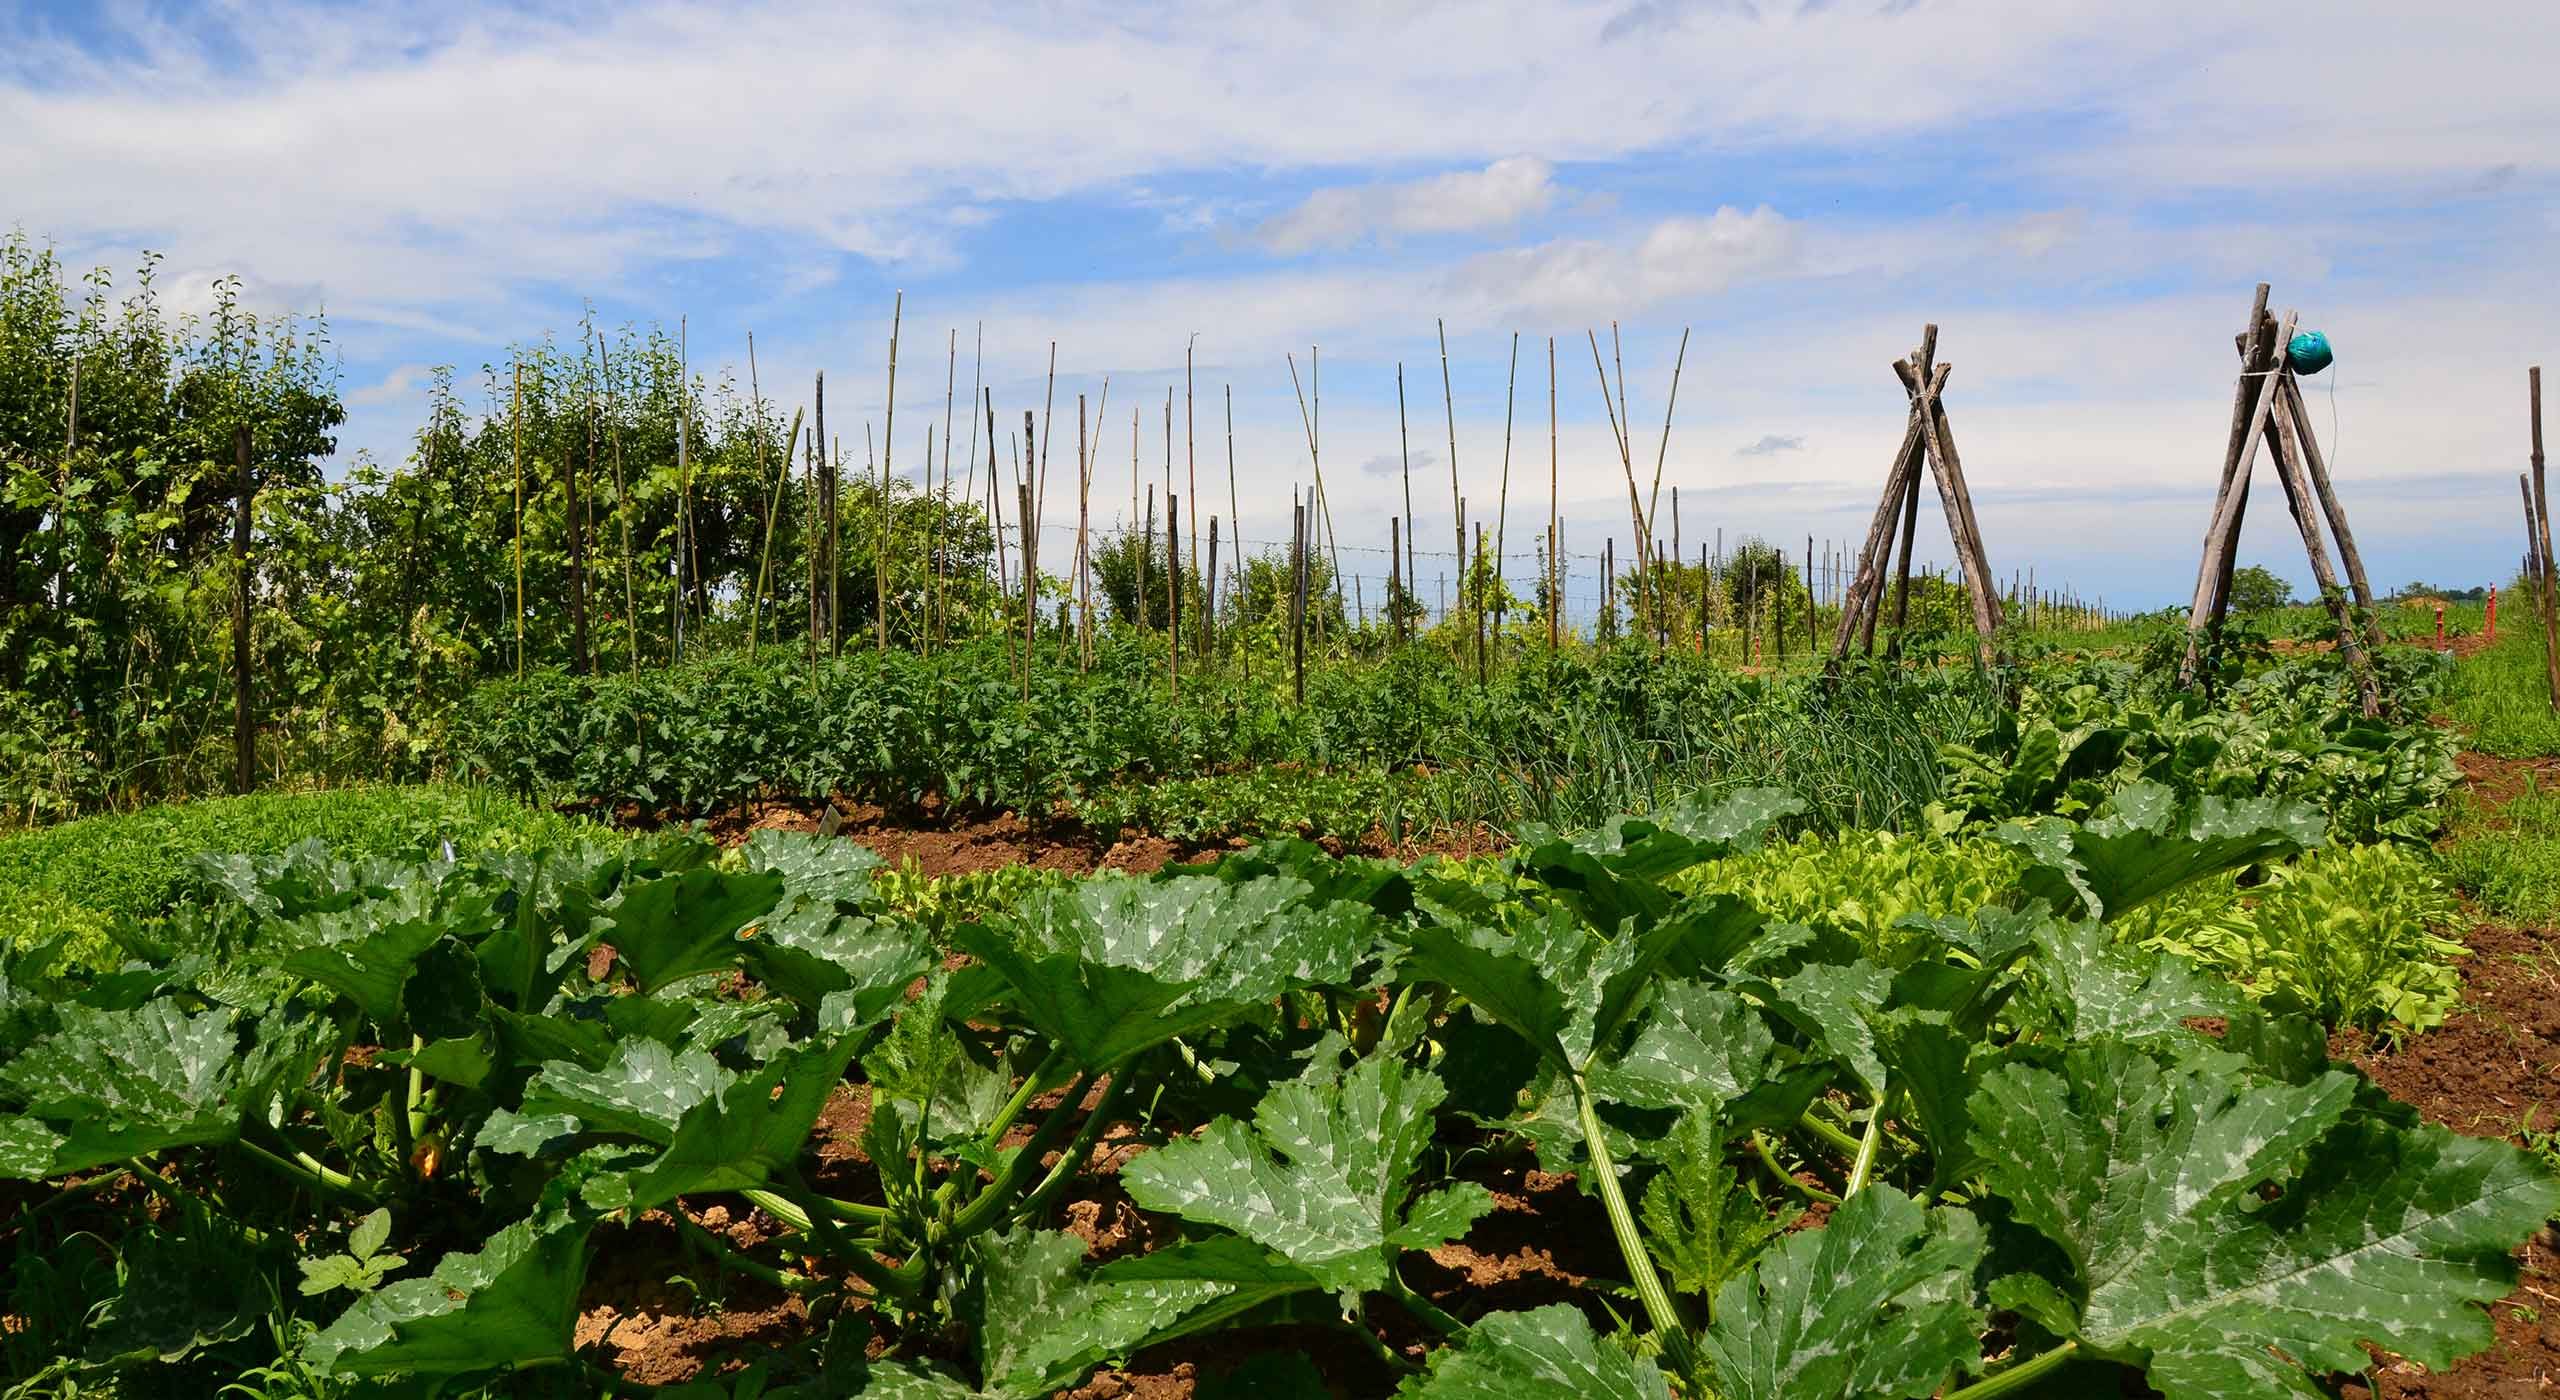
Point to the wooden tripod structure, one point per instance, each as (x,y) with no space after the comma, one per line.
(1926,438)
(2267,407)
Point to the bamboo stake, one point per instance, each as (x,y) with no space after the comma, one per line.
(889,444)
(575,520)
(1084,513)
(622,509)
(1173,596)
(244,726)
(1235,517)
(2250,403)
(2542,518)
(1618,435)
(1555,521)
(1190,450)
(1502,498)
(1457,508)
(684,480)
(515,423)
(764,562)
(1030,582)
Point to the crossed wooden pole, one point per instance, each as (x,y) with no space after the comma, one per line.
(2267,408)
(1926,438)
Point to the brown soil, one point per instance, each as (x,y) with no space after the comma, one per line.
(942,841)
(2491,1070)
(2495,781)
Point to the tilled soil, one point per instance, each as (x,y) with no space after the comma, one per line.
(2491,1070)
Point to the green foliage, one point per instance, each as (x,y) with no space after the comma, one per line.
(2256,589)
(2509,859)
(2011,1107)
(2352,934)
(87,878)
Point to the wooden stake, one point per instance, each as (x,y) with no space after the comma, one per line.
(1030,585)
(2252,397)
(764,562)
(1298,604)
(888,445)
(1173,595)
(1502,499)
(1555,521)
(622,510)
(2542,518)
(576,522)
(1084,573)
(1457,508)
(515,423)
(244,728)
(684,485)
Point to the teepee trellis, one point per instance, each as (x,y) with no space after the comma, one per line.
(2267,408)
(1926,440)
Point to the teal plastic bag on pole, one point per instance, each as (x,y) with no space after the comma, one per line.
(2308,353)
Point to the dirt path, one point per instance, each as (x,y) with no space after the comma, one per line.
(2491,1070)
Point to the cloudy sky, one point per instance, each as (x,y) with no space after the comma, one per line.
(2081,196)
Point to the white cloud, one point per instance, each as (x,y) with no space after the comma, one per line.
(1463,201)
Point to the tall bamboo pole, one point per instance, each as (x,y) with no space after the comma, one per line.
(1555,574)
(684,480)
(1457,508)
(515,424)
(622,507)
(773,512)
(244,727)
(888,444)
(1190,451)
(2542,516)
(1084,580)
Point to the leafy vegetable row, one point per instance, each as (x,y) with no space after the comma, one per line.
(2028,1157)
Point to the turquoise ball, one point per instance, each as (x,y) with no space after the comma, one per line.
(2308,353)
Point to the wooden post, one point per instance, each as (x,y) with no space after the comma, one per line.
(1146,553)
(1901,573)
(2542,536)
(1395,577)
(1173,595)
(244,729)
(2285,447)
(827,636)
(1705,585)
(622,510)
(1298,601)
(2318,466)
(576,521)
(1030,587)
(1476,574)
(1812,626)
(2250,400)
(1555,521)
(1209,579)
(515,424)
(2533,570)
(880,550)
(1084,560)
(684,486)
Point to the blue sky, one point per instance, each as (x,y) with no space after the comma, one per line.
(2080,195)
